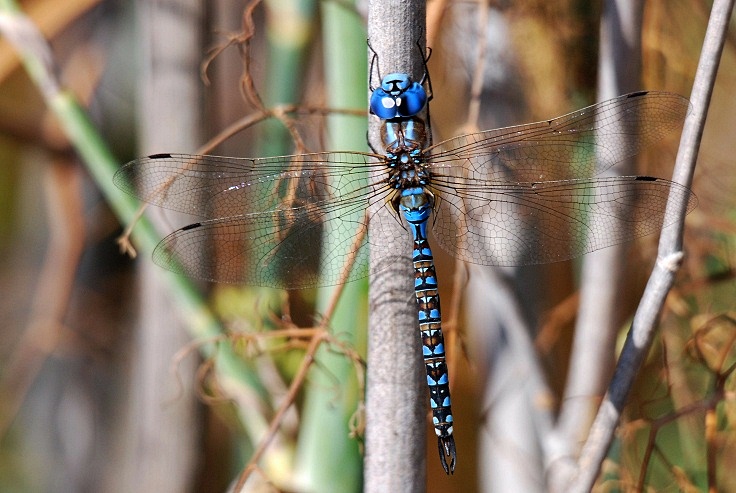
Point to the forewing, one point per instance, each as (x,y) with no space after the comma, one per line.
(287,222)
(214,186)
(580,144)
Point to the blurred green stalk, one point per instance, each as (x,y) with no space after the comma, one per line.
(101,164)
(289,31)
(328,459)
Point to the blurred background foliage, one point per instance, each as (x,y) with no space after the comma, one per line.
(69,298)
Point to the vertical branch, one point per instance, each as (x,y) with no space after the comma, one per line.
(592,357)
(327,456)
(63,192)
(164,437)
(669,257)
(396,399)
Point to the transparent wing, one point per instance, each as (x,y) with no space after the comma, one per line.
(267,218)
(580,144)
(286,222)
(293,248)
(214,186)
(493,223)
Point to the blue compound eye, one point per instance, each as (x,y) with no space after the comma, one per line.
(413,100)
(383,105)
(398,97)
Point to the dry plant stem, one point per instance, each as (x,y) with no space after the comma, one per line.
(706,407)
(711,416)
(246,83)
(436,10)
(396,393)
(641,333)
(242,41)
(602,273)
(250,120)
(454,340)
(561,315)
(480,66)
(124,244)
(460,272)
(287,402)
(195,345)
(62,187)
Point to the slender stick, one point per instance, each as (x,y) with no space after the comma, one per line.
(396,399)
(670,255)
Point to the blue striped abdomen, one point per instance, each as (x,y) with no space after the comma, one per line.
(416,205)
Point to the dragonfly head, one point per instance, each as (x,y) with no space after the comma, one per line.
(398,97)
(395,84)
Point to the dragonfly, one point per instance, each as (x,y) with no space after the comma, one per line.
(529,194)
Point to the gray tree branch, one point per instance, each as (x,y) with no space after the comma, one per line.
(669,257)
(396,398)
(163,438)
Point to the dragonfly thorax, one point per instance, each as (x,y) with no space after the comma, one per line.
(406,170)
(403,135)
(403,141)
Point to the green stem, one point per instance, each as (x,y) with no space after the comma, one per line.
(328,459)
(101,164)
